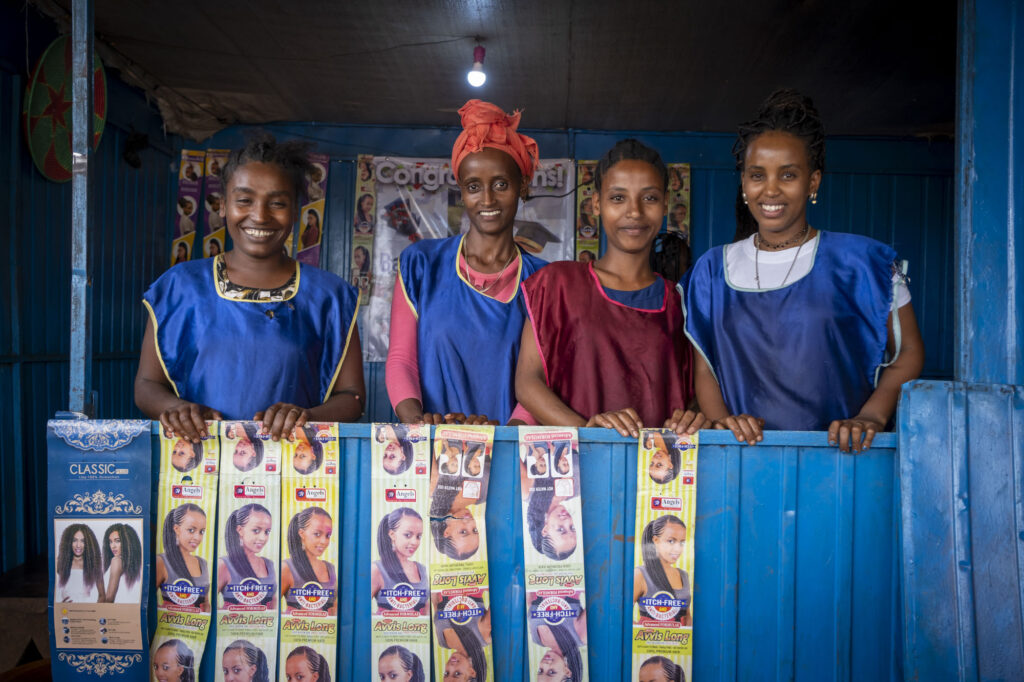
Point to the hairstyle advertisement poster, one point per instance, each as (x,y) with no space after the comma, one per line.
(214,232)
(98,496)
(187,205)
(403,200)
(666,506)
(400,551)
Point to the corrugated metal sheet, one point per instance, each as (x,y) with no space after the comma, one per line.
(129,249)
(962,477)
(796,575)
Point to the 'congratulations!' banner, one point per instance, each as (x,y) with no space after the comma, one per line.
(666,504)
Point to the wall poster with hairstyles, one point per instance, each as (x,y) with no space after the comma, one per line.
(556,602)
(364,221)
(313,216)
(214,230)
(248,545)
(98,497)
(309,594)
(666,507)
(185,552)
(402,200)
(400,551)
(187,207)
(679,199)
(588,225)
(459,584)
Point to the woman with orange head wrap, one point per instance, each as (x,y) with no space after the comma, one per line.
(457,312)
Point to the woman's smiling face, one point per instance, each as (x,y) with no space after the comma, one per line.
(560,530)
(255,533)
(406,537)
(316,536)
(462,532)
(190,531)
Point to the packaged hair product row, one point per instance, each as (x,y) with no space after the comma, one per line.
(271,567)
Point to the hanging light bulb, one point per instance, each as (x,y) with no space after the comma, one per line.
(476,75)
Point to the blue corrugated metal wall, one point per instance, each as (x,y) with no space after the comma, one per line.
(898,191)
(129,249)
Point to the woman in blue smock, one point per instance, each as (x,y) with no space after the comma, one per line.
(252,334)
(797,328)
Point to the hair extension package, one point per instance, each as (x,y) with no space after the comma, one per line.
(400,582)
(666,504)
(309,552)
(248,544)
(185,558)
(98,496)
(549,468)
(459,582)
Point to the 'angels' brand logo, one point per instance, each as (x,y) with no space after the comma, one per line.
(553,610)
(663,606)
(404,597)
(182,592)
(460,610)
(97,469)
(312,596)
(400,495)
(187,492)
(311,494)
(249,592)
(675,503)
(250,491)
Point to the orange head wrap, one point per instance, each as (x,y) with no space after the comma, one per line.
(485,125)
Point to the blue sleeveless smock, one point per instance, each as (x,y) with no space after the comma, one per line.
(468,343)
(804,354)
(239,357)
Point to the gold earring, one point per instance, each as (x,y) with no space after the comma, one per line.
(814,197)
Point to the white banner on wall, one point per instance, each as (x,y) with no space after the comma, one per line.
(419,199)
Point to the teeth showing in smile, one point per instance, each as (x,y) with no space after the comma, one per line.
(772,207)
(489,214)
(258,234)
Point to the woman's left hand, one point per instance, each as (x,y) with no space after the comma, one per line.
(280,418)
(844,432)
(687,421)
(471,420)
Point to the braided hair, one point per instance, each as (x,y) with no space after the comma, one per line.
(253,656)
(537,508)
(392,564)
(197,454)
(470,642)
(317,663)
(183,657)
(785,111)
(92,571)
(257,445)
(440,511)
(672,671)
(652,562)
(410,661)
(291,156)
(630,150)
(566,643)
(172,552)
(304,572)
(676,459)
(315,446)
(131,552)
(236,553)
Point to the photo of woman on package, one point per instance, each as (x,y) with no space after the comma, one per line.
(398,450)
(173,661)
(122,564)
(185,455)
(452,524)
(309,536)
(660,589)
(550,524)
(666,459)
(246,532)
(660,669)
(309,453)
(398,538)
(398,663)
(183,532)
(310,229)
(305,664)
(364,214)
(79,566)
(563,659)
(451,455)
(564,457)
(467,640)
(248,452)
(244,662)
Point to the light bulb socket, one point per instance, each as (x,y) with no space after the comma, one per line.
(478,54)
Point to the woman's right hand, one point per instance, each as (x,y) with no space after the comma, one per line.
(626,422)
(188,420)
(746,428)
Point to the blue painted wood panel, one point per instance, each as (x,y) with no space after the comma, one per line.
(962,476)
